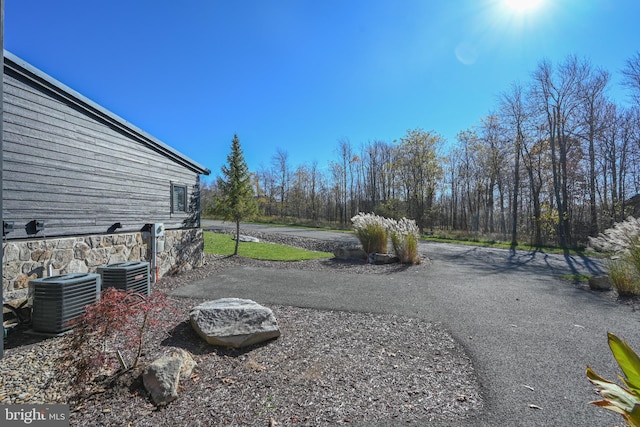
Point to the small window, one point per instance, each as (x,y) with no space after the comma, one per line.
(178,198)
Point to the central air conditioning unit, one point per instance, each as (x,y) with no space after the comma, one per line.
(129,276)
(57,300)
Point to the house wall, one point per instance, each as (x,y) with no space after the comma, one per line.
(77,169)
(81,169)
(24,260)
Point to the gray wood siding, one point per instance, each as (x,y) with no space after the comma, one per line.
(77,172)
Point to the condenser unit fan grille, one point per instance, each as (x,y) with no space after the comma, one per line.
(128,276)
(57,300)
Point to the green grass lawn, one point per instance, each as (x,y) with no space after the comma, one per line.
(223,244)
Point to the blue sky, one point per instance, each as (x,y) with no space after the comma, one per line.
(299,75)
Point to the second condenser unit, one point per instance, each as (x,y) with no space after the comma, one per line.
(129,276)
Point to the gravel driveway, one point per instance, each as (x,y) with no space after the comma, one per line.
(529,333)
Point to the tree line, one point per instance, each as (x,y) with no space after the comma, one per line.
(556,160)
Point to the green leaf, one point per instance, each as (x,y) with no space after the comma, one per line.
(633,418)
(629,362)
(616,398)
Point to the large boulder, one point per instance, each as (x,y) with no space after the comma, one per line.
(161,377)
(234,322)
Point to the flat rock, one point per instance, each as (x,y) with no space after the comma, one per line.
(345,252)
(234,322)
(248,239)
(383,259)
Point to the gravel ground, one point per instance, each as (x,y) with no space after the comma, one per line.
(327,367)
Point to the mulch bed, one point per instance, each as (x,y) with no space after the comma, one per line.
(327,367)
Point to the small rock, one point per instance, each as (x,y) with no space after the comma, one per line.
(24,396)
(600,283)
(161,377)
(187,362)
(384,259)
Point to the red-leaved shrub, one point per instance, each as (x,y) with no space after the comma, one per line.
(111,332)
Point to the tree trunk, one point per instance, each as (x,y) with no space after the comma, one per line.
(235,251)
(516,190)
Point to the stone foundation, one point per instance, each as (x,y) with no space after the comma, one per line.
(25,260)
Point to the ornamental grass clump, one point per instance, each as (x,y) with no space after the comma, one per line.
(622,241)
(618,239)
(404,239)
(371,230)
(624,277)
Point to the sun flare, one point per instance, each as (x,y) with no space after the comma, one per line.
(522,6)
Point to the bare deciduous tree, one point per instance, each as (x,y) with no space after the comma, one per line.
(280,162)
(631,75)
(515,113)
(556,95)
(592,114)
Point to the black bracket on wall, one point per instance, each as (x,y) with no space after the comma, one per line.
(114,227)
(34,226)
(7,227)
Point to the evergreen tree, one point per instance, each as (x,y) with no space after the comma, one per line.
(236,201)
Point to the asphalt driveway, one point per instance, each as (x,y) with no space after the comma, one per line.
(529,333)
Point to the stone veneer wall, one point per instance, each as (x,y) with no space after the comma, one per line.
(25,260)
